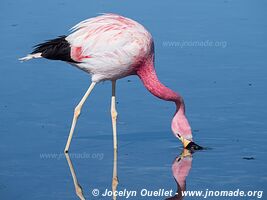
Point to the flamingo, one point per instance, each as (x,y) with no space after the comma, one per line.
(110,47)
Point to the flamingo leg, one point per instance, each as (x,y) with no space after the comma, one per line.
(114,115)
(77,112)
(78,188)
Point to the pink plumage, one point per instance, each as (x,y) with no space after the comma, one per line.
(110,47)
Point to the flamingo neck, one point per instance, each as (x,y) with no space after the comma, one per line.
(148,76)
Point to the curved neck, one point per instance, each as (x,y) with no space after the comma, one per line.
(150,80)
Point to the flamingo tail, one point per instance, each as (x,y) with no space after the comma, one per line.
(54,49)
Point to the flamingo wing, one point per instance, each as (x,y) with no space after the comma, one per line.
(108,41)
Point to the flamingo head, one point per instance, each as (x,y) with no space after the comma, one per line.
(182,130)
(180,127)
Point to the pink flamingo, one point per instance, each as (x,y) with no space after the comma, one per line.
(110,47)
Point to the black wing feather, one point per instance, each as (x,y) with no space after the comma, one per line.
(55,49)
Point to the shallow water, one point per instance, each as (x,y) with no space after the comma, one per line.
(223,82)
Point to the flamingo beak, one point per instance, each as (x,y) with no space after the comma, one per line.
(194,146)
(190,145)
(185,142)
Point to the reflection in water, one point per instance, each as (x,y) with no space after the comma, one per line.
(115,180)
(78,188)
(180,169)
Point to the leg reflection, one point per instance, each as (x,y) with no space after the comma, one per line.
(78,188)
(115,180)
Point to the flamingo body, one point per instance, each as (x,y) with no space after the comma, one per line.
(110,46)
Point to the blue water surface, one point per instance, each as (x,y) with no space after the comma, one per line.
(212,52)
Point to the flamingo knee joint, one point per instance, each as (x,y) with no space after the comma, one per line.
(114,114)
(77,111)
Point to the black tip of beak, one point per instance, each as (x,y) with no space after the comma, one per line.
(193,146)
